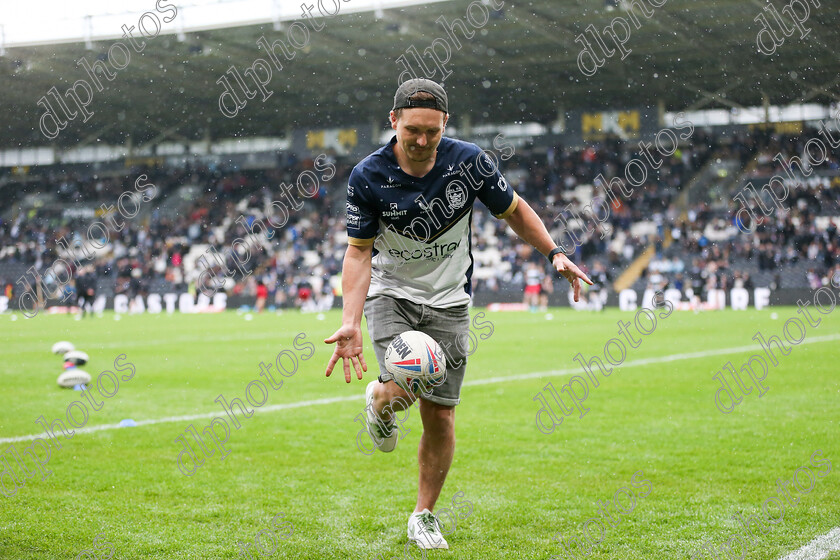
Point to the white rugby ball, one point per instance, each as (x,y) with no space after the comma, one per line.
(73,377)
(416,361)
(77,357)
(62,347)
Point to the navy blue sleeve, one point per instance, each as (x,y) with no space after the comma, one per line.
(362,216)
(495,192)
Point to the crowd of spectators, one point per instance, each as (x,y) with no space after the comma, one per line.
(792,243)
(697,247)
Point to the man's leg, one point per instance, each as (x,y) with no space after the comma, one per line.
(437,447)
(390,393)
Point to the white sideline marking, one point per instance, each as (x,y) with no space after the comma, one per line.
(489,380)
(189,417)
(818,548)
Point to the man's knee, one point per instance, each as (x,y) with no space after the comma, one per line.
(389,393)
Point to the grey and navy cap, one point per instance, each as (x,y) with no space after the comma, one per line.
(410,87)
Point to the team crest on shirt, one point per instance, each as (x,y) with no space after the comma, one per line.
(455,195)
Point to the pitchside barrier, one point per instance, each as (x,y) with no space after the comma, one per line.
(627,300)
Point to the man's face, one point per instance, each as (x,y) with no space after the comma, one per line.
(419,131)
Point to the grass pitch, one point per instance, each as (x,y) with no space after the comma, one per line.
(655,413)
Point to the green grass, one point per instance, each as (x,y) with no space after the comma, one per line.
(524,486)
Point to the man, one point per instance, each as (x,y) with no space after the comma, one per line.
(86,291)
(533,286)
(408,267)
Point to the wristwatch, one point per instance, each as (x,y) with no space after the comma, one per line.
(553,252)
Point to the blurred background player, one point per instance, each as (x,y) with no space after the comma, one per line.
(547,288)
(597,293)
(533,286)
(86,290)
(262,295)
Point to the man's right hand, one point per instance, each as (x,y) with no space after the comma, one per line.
(348,347)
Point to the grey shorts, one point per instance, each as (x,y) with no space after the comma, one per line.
(387,317)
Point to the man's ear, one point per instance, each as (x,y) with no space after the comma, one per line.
(393,118)
(445,119)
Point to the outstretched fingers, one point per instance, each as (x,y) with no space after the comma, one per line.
(331,363)
(573,273)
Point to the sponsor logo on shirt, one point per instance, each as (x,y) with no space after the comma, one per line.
(436,252)
(450,170)
(390,184)
(394,211)
(353,216)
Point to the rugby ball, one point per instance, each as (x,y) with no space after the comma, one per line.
(76,357)
(416,361)
(72,377)
(62,347)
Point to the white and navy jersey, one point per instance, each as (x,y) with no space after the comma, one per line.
(420,227)
(533,277)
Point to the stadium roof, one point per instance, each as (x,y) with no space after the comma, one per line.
(522,65)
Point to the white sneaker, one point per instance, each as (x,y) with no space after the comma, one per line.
(424,530)
(384,435)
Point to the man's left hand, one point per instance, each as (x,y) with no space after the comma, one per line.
(570,272)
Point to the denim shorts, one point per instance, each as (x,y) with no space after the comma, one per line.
(387,317)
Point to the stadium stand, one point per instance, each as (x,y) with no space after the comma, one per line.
(197,207)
